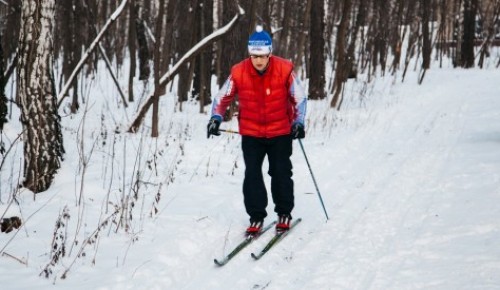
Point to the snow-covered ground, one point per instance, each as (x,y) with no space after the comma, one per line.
(410,177)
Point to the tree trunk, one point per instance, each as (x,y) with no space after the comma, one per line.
(185,40)
(43,148)
(132,15)
(396,39)
(142,40)
(459,33)
(426,35)
(3,99)
(303,29)
(201,81)
(351,69)
(167,40)
(317,49)
(413,35)
(470,10)
(340,73)
(158,90)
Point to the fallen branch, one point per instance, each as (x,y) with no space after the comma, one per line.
(114,16)
(193,52)
(15,258)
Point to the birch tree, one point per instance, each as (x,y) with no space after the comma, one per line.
(43,143)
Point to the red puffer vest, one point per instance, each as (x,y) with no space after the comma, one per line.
(266,108)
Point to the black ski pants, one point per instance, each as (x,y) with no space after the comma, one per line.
(278,151)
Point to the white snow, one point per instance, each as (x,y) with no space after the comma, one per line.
(410,176)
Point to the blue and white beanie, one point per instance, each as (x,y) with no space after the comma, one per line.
(260,43)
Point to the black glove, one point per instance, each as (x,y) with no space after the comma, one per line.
(213,127)
(298,131)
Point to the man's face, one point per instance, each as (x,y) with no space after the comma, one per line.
(260,62)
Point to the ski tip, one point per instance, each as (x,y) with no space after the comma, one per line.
(254,256)
(220,264)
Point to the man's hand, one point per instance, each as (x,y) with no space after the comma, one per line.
(298,131)
(213,127)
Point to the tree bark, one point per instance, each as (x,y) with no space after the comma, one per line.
(470,10)
(426,35)
(340,73)
(185,30)
(3,99)
(142,40)
(132,14)
(303,29)
(158,90)
(43,147)
(201,81)
(317,49)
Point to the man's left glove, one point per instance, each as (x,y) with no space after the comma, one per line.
(298,131)
(213,127)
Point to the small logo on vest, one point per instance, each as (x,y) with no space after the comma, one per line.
(268,91)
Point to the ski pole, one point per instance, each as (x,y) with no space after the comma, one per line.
(314,180)
(229,131)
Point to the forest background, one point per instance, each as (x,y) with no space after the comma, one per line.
(50,59)
(350,36)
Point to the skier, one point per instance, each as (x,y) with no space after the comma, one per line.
(272,106)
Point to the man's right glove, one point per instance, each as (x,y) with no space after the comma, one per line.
(213,127)
(298,131)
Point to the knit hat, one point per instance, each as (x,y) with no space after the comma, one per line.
(260,43)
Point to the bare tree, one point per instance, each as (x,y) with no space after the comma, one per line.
(158,90)
(467,43)
(201,80)
(43,147)
(142,40)
(491,15)
(359,35)
(426,37)
(458,32)
(70,42)
(193,52)
(395,34)
(185,39)
(351,51)
(10,21)
(317,48)
(132,46)
(303,33)
(3,99)
(414,24)
(340,47)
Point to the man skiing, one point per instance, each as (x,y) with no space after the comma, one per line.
(272,106)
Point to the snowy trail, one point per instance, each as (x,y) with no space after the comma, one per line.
(410,178)
(385,228)
(387,231)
